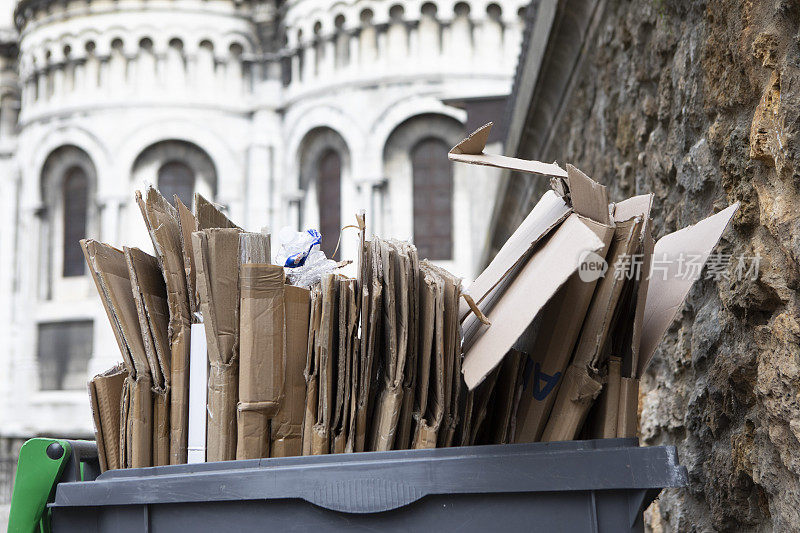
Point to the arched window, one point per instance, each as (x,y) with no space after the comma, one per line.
(76,204)
(329,178)
(433,199)
(176,177)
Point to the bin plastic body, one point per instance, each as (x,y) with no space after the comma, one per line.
(601,485)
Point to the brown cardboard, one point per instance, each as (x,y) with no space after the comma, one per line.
(505,394)
(216,254)
(429,399)
(552,348)
(344,363)
(594,334)
(105,392)
(547,214)
(484,394)
(262,357)
(311,372)
(162,221)
(209,215)
(668,289)
(403,438)
(608,404)
(589,198)
(575,397)
(112,279)
(371,315)
(470,150)
(326,340)
(452,354)
(628,415)
(150,294)
(609,288)
(287,426)
(537,282)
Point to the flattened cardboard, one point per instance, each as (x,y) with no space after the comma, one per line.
(470,150)
(547,214)
(326,340)
(404,435)
(287,426)
(105,392)
(577,398)
(430,393)
(668,289)
(112,279)
(552,347)
(217,260)
(150,294)
(371,321)
(395,279)
(162,221)
(452,354)
(262,357)
(536,283)
(311,372)
(344,363)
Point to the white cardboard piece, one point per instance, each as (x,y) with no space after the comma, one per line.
(668,285)
(198,391)
(526,295)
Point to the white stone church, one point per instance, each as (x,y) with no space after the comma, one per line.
(286,112)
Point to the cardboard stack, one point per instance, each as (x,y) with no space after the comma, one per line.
(548,343)
(572,291)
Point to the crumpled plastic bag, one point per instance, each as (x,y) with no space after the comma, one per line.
(305,263)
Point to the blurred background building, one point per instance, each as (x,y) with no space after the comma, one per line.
(290,113)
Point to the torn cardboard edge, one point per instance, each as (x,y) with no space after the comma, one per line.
(471,150)
(105,392)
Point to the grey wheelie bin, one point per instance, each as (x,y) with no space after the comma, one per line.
(592,486)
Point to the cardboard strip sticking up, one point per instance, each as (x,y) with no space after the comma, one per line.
(608,405)
(668,287)
(262,355)
(188,225)
(162,221)
(527,294)
(150,295)
(470,150)
(209,215)
(216,254)
(105,391)
(112,279)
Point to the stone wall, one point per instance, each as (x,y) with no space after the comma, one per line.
(699,102)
